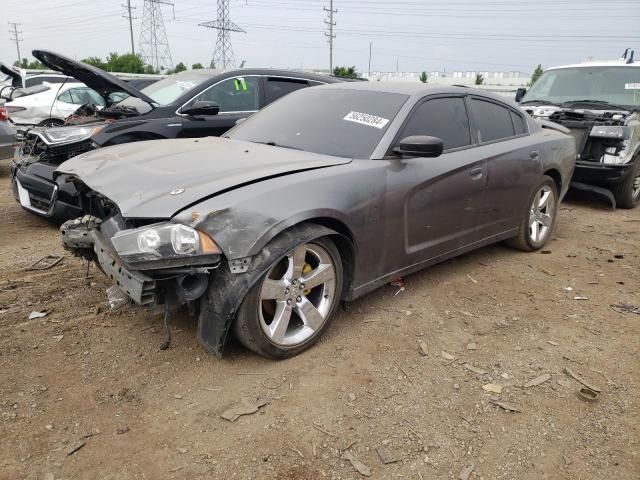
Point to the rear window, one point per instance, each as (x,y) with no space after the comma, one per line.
(493,121)
(279,87)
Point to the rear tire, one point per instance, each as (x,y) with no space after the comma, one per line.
(539,220)
(282,316)
(627,193)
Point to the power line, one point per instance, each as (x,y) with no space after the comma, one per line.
(128,7)
(223,51)
(154,45)
(330,35)
(16,36)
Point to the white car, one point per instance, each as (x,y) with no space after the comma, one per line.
(52,106)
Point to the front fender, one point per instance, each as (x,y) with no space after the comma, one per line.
(226,290)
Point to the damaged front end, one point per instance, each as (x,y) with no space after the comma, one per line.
(608,143)
(39,152)
(155,263)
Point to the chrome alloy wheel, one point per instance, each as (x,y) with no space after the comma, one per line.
(541,215)
(297,295)
(636,187)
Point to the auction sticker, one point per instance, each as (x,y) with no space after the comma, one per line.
(366,119)
(632,86)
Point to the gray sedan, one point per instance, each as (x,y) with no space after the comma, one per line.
(323,196)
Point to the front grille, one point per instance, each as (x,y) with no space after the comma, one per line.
(39,202)
(65,152)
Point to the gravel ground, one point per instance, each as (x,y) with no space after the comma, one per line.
(86,393)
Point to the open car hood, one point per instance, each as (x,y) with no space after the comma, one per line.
(93,77)
(159,178)
(13,72)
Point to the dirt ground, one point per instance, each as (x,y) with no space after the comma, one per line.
(84,376)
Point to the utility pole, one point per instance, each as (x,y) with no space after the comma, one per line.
(223,51)
(370,46)
(330,23)
(154,45)
(16,36)
(131,18)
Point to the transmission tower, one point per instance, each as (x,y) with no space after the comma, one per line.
(154,45)
(330,35)
(16,36)
(223,52)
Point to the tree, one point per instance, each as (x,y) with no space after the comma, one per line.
(197,66)
(345,72)
(180,67)
(26,64)
(424,77)
(537,73)
(479,79)
(96,62)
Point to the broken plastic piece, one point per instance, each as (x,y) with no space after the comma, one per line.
(116,297)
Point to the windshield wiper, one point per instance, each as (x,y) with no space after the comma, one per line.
(571,103)
(539,102)
(274,144)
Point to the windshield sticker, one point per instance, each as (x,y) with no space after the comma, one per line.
(366,119)
(632,86)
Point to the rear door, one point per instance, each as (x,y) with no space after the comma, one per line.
(238,97)
(435,202)
(512,164)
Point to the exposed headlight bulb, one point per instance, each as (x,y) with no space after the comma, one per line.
(148,241)
(185,240)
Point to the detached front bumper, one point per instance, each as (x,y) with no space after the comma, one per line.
(601,174)
(36,191)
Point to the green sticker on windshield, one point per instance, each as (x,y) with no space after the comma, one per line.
(240,84)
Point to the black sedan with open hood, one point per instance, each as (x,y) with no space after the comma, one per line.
(321,197)
(193,103)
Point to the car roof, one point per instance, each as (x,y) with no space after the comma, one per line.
(416,89)
(282,73)
(601,63)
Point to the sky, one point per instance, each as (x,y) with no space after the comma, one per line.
(411,35)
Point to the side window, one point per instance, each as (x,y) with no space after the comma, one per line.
(445,118)
(238,94)
(66,96)
(518,123)
(279,87)
(494,122)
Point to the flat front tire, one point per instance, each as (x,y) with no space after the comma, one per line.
(539,220)
(292,304)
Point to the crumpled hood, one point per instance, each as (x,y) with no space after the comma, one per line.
(158,178)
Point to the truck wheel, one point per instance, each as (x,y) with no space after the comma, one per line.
(540,218)
(627,193)
(292,305)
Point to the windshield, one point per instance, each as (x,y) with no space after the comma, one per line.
(168,90)
(342,123)
(616,85)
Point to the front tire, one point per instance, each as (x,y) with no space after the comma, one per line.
(293,303)
(627,193)
(540,218)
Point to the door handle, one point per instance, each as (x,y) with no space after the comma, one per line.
(534,155)
(476,173)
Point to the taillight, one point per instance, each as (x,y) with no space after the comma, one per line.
(4,115)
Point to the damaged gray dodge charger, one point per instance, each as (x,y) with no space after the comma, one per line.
(323,196)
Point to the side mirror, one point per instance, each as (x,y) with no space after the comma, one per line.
(520,93)
(201,107)
(420,146)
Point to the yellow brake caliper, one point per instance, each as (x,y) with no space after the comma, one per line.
(306,269)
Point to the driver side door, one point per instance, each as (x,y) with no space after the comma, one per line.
(237,97)
(433,203)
